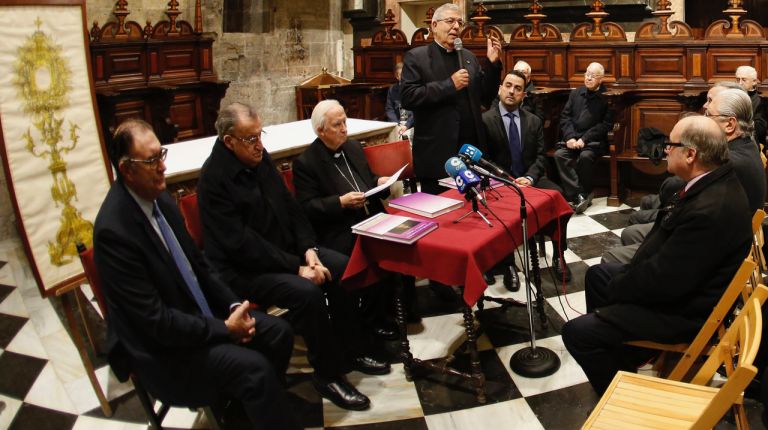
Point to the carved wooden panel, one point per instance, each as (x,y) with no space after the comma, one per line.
(186,112)
(723,62)
(579,59)
(660,65)
(662,114)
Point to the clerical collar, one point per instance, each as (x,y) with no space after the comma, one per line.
(444,48)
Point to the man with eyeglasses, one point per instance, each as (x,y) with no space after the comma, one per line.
(679,272)
(260,242)
(184,333)
(446,97)
(584,124)
(732,111)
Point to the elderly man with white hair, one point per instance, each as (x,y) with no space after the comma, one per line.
(746,77)
(528,102)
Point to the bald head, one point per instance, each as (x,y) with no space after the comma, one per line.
(524,68)
(704,147)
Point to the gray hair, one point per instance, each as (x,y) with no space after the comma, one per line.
(597,66)
(231,115)
(710,142)
(318,113)
(736,103)
(520,65)
(749,70)
(440,11)
(728,85)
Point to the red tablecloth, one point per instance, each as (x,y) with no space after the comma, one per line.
(459,253)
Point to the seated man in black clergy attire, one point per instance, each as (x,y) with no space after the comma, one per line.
(259,241)
(446,99)
(584,124)
(746,77)
(394,106)
(516,143)
(669,288)
(330,178)
(180,330)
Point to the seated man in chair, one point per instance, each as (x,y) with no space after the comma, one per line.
(260,242)
(584,123)
(184,334)
(669,288)
(516,143)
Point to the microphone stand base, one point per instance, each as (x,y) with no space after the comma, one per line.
(534,362)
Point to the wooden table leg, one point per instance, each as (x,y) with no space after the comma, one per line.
(405,347)
(476,371)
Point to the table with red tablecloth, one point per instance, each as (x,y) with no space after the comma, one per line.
(459,253)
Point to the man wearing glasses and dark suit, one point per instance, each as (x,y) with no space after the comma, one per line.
(446,97)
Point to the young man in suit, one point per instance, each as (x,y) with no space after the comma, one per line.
(516,143)
(185,334)
(446,96)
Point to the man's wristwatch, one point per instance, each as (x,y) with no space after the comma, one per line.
(314,248)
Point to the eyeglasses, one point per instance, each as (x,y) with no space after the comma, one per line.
(711,115)
(151,162)
(250,140)
(592,76)
(452,21)
(668,145)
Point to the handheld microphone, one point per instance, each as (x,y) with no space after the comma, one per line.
(466,182)
(473,155)
(458,45)
(453,166)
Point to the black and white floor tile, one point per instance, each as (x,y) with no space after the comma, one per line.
(43,384)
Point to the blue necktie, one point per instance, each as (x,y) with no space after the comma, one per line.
(181,261)
(515,148)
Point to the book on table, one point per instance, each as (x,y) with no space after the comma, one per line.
(396,228)
(426,205)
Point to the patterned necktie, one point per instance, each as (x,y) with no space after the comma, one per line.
(182,263)
(515,148)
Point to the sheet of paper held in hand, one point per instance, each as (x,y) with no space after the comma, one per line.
(389,182)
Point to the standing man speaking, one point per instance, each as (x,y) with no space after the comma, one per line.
(446,96)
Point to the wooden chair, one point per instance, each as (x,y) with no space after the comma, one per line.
(707,335)
(757,247)
(155,416)
(387,158)
(645,402)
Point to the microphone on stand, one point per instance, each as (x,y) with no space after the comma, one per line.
(458,45)
(466,182)
(474,156)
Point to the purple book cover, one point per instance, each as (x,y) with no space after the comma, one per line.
(426,204)
(397,227)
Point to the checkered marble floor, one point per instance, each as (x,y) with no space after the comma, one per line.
(44,386)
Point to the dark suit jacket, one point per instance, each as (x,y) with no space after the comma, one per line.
(685,263)
(319,185)
(394,103)
(251,223)
(428,91)
(759,117)
(151,314)
(586,116)
(532,133)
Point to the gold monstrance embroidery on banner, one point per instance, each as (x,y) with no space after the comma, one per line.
(42,79)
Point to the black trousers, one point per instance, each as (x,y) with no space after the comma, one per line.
(597,345)
(251,373)
(576,167)
(329,331)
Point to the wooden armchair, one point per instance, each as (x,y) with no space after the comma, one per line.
(387,158)
(644,402)
(715,323)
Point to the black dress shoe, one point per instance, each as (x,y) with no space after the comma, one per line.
(342,394)
(489,278)
(385,333)
(558,267)
(511,279)
(370,365)
(580,203)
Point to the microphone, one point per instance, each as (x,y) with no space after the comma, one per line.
(453,166)
(472,155)
(458,45)
(466,182)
